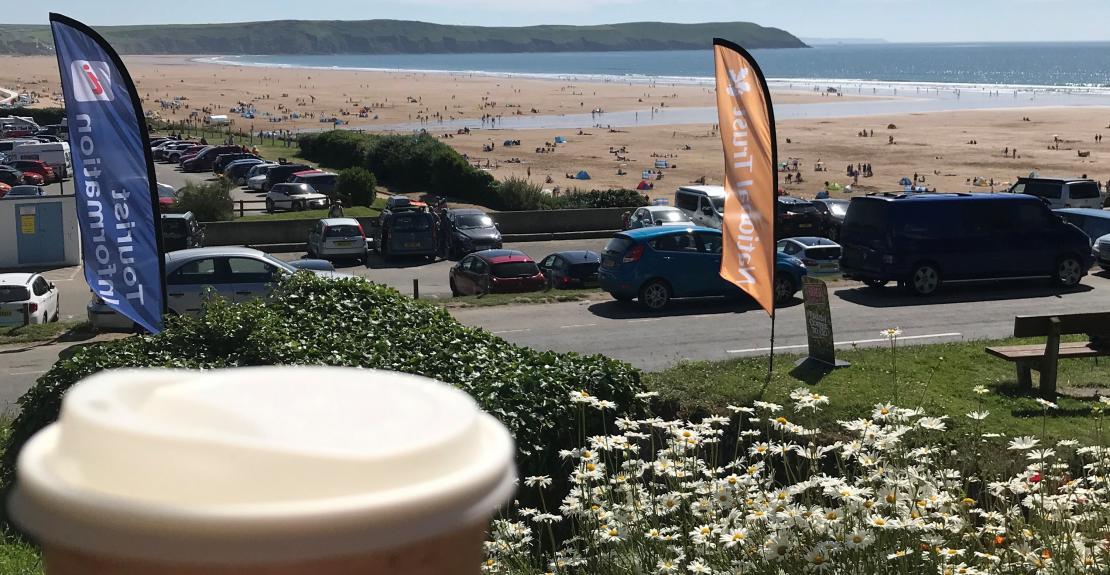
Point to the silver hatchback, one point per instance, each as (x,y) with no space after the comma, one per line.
(335,238)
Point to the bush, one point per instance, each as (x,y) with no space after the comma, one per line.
(356,187)
(516,194)
(209,202)
(621,198)
(351,322)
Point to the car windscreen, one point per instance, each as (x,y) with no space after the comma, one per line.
(799,208)
(515,269)
(1049,191)
(322,183)
(472,221)
(866,220)
(412,223)
(14,293)
(838,208)
(1083,190)
(719,203)
(670,216)
(298,190)
(617,245)
(342,231)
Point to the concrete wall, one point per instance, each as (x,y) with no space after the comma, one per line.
(514,226)
(10,223)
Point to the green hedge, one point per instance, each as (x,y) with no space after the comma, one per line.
(312,321)
(209,201)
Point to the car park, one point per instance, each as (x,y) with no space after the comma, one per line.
(295,197)
(25,191)
(495,271)
(820,255)
(281,173)
(832,215)
(336,238)
(660,263)
(648,216)
(1061,192)
(176,155)
(1094,223)
(924,240)
(234,273)
(406,232)
(54,154)
(35,167)
(206,159)
(219,164)
(171,151)
(27,298)
(236,172)
(469,230)
(571,269)
(181,231)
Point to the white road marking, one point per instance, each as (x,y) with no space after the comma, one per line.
(853,342)
(577,325)
(511,331)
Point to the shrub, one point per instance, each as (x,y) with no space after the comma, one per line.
(209,201)
(351,322)
(515,194)
(356,187)
(619,198)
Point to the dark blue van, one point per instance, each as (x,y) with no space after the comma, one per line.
(922,240)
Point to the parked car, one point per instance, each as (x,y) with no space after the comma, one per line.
(496,271)
(321,181)
(281,173)
(205,159)
(35,167)
(4,189)
(294,197)
(832,215)
(924,240)
(236,172)
(181,231)
(27,298)
(177,155)
(11,176)
(409,232)
(648,216)
(221,161)
(820,255)
(704,205)
(571,269)
(796,217)
(256,176)
(167,196)
(1061,192)
(234,273)
(469,230)
(171,151)
(334,238)
(25,191)
(1094,223)
(660,263)
(53,154)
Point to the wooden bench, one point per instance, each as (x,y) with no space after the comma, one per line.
(1044,359)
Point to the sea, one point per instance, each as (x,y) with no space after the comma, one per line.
(919,77)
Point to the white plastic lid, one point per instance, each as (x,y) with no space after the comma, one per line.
(260,464)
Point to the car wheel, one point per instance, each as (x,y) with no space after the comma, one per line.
(924,280)
(875,284)
(298,206)
(1068,271)
(784,288)
(454,290)
(269,206)
(655,295)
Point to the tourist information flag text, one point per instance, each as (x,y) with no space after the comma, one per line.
(113,172)
(748,132)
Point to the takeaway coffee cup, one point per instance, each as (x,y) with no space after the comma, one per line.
(274,470)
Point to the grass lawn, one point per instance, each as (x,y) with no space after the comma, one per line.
(938,378)
(553,296)
(352,212)
(18,558)
(39,332)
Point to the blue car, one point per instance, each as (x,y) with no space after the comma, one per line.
(658,263)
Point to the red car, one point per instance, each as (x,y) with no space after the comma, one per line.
(33,179)
(35,167)
(496,271)
(4,189)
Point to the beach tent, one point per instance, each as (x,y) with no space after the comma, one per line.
(582,175)
(646,175)
(905,182)
(660,164)
(560,140)
(644,185)
(834,187)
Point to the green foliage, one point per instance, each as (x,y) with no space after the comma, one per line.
(352,322)
(209,201)
(356,187)
(518,194)
(620,198)
(399,36)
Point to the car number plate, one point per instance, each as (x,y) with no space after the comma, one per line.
(412,245)
(805,225)
(343,244)
(5,312)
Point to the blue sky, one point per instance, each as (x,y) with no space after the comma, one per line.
(894,20)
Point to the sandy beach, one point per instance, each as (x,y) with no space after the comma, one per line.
(950,149)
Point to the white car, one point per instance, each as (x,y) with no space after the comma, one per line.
(257,176)
(294,197)
(27,298)
(334,238)
(234,273)
(649,216)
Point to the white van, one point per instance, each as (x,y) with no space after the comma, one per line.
(704,204)
(1061,192)
(54,154)
(9,144)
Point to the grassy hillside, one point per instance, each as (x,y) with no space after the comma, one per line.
(400,37)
